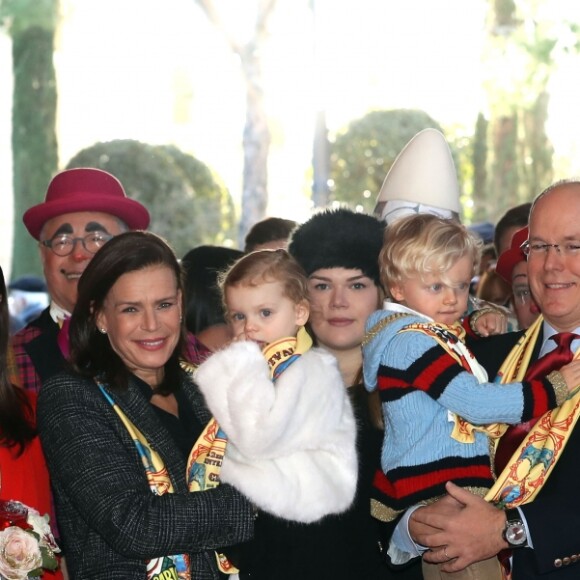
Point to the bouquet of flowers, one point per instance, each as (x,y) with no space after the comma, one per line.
(27,546)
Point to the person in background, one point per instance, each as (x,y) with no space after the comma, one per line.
(269,234)
(540,506)
(512,266)
(204,312)
(27,298)
(82,210)
(488,261)
(339,250)
(488,258)
(493,288)
(511,221)
(23,472)
(122,428)
(282,404)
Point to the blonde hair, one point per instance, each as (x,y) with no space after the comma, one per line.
(263,266)
(425,244)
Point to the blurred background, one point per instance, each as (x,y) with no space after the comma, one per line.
(216,113)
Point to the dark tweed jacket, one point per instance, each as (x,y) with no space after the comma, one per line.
(110,521)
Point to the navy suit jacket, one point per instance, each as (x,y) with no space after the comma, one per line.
(553,517)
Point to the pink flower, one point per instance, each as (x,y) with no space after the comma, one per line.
(19,554)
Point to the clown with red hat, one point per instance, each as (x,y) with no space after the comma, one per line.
(513,268)
(83,208)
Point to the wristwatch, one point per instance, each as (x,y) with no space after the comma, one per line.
(515,532)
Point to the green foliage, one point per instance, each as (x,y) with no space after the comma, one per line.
(34,144)
(363,153)
(504,11)
(189,205)
(18,15)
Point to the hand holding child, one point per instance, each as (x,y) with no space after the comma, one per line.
(571,374)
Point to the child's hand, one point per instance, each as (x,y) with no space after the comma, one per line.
(571,374)
(490,322)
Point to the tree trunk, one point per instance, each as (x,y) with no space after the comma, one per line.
(505,174)
(256,144)
(538,158)
(34,144)
(480,196)
(257,136)
(320,162)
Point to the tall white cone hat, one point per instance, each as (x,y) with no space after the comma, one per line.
(422,179)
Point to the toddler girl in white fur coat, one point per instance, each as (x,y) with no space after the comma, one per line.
(283,405)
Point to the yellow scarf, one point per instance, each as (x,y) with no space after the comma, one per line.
(532,463)
(174,567)
(282,353)
(204,464)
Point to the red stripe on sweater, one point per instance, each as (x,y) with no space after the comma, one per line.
(403,487)
(425,380)
(540,398)
(389,382)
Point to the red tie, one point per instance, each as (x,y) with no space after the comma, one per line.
(554,360)
(62,337)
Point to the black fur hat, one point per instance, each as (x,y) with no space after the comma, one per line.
(339,238)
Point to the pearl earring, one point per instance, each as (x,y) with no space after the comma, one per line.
(103,330)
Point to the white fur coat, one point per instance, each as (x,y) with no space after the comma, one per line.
(291,444)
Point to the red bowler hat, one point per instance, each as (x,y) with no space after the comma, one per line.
(85,189)
(512,256)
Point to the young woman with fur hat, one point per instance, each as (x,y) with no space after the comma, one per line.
(339,251)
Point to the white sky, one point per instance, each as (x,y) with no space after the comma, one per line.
(159,72)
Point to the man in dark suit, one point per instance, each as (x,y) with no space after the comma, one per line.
(544,534)
(82,210)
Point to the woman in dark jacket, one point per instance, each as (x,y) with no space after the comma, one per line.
(119,427)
